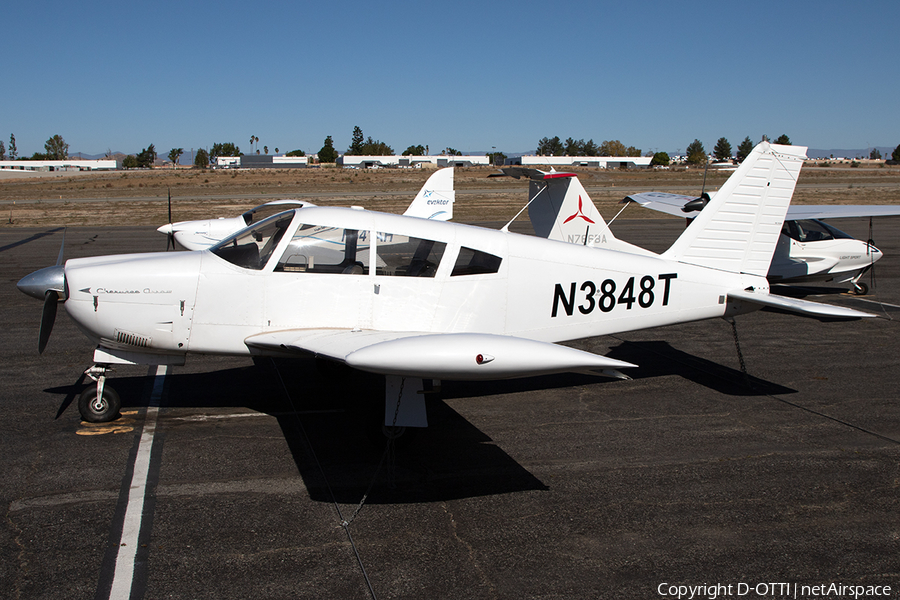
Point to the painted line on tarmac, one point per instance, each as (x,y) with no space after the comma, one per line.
(877,302)
(134,512)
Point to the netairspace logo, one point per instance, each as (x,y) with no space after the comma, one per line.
(771,590)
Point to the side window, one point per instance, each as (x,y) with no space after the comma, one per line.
(403,256)
(252,248)
(321,249)
(475,262)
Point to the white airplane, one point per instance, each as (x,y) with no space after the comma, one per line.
(426,299)
(434,201)
(808,249)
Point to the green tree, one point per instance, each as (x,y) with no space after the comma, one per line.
(13,152)
(632,151)
(357,142)
(613,148)
(895,155)
(574,147)
(147,157)
(201,159)
(265,150)
(744,149)
(696,154)
(223,149)
(414,151)
(296,153)
(783,139)
(328,154)
(451,152)
(497,158)
(57,148)
(590,148)
(661,159)
(376,148)
(174,155)
(550,147)
(130,162)
(722,151)
(2,151)
(875,154)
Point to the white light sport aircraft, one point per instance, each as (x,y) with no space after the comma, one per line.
(426,299)
(808,249)
(434,201)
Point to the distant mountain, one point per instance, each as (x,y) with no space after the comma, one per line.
(849,153)
(85,156)
(185,159)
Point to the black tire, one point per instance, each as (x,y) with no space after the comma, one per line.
(107,411)
(860,288)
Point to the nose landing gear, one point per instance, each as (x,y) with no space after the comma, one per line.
(99,404)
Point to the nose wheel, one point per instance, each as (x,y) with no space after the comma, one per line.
(100,403)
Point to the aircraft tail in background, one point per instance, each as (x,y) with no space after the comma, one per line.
(435,199)
(560,209)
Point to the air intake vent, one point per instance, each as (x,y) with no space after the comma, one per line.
(132,339)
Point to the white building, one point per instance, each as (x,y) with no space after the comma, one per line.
(603,162)
(440,160)
(58,165)
(261,161)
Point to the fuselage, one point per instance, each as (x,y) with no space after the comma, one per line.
(811,250)
(353,269)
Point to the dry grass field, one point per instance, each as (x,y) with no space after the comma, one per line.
(139,197)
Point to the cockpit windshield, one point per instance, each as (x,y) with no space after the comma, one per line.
(251,248)
(812,230)
(264,211)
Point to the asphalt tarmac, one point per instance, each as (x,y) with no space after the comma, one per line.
(691,474)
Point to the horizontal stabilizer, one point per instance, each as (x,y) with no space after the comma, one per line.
(796,305)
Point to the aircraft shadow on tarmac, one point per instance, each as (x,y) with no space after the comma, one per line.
(332,426)
(332,421)
(33,238)
(659,358)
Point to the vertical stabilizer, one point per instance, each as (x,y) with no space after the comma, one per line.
(562,210)
(739,228)
(435,199)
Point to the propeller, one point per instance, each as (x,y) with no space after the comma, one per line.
(48,318)
(870,244)
(170,235)
(47,284)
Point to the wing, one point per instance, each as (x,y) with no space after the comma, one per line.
(796,305)
(670,204)
(464,356)
(837,211)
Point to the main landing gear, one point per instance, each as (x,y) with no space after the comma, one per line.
(99,404)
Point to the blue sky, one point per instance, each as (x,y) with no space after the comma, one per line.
(466,75)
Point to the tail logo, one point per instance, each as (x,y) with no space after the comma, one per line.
(579,213)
